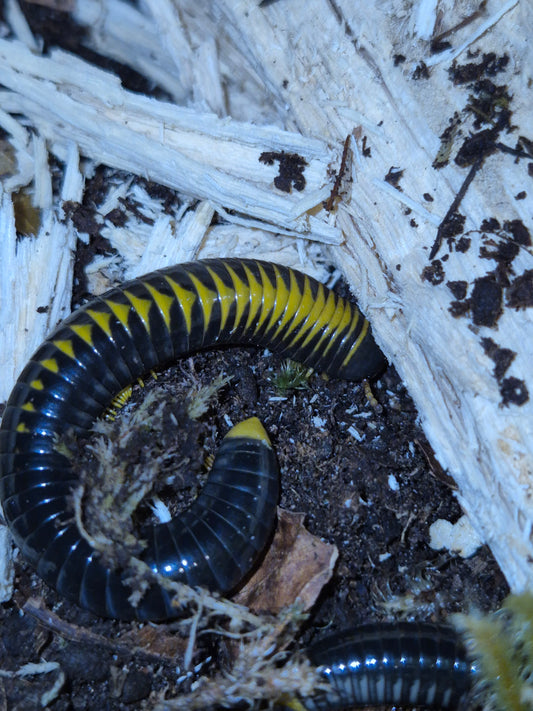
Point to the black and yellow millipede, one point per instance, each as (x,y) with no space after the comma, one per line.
(111,342)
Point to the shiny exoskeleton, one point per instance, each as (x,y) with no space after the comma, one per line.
(108,344)
(397,664)
(112,341)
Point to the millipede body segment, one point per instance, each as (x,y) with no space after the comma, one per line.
(104,347)
(108,344)
(398,664)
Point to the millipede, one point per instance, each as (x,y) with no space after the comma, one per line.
(102,348)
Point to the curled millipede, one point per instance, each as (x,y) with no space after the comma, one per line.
(76,375)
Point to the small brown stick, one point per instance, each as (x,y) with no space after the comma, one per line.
(329,204)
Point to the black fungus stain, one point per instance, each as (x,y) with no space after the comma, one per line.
(434,274)
(291,169)
(394,176)
(483,299)
(490,65)
(452,226)
(486,301)
(463,244)
(458,288)
(421,71)
(502,357)
(484,304)
(514,392)
(438,46)
(478,145)
(520,291)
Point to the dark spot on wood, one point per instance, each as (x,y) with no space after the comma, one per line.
(398,267)
(520,291)
(459,308)
(428,197)
(521,195)
(463,244)
(42,309)
(366,150)
(490,224)
(513,392)
(530,169)
(489,65)
(413,222)
(486,301)
(451,226)
(502,357)
(435,273)
(519,232)
(458,288)
(438,46)
(421,72)
(394,176)
(398,59)
(479,145)
(285,83)
(117,217)
(291,169)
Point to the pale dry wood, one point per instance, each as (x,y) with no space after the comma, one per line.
(309,72)
(342,76)
(199,154)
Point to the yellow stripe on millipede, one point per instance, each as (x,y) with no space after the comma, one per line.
(50,364)
(280,299)
(162,301)
(356,345)
(121,311)
(185,299)
(336,320)
(84,331)
(226,297)
(65,346)
(207,298)
(256,296)
(102,319)
(242,292)
(142,307)
(318,322)
(304,307)
(269,295)
(292,306)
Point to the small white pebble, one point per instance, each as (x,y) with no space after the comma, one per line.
(393,483)
(457,537)
(348,503)
(355,434)
(319,422)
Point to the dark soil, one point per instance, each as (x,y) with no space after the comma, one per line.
(373,490)
(342,482)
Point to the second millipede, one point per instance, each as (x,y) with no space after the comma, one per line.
(111,342)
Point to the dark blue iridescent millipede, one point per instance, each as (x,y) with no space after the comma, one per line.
(112,341)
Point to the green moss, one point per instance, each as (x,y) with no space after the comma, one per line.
(291,376)
(502,646)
